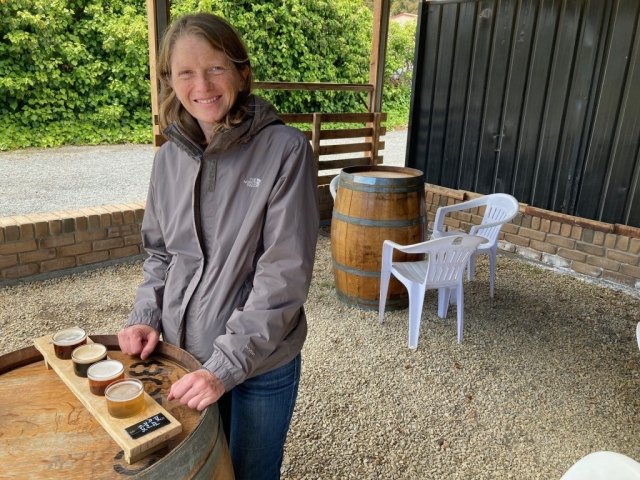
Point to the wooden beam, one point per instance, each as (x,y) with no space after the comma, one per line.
(157,21)
(346,87)
(381,11)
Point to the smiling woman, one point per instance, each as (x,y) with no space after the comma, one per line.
(230,226)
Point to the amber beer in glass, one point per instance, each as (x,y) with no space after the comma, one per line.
(104,373)
(125,398)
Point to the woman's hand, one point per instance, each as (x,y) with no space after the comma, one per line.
(197,389)
(138,339)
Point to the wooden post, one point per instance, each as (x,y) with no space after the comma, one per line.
(381,9)
(315,138)
(157,20)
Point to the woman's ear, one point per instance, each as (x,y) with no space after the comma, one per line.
(244,74)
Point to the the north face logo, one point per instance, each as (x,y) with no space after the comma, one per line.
(253,182)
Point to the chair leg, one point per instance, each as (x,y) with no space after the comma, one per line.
(460,311)
(444,296)
(416,300)
(492,271)
(471,269)
(385,276)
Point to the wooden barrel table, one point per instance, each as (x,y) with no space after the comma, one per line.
(46,432)
(374,204)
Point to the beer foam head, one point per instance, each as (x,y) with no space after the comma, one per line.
(69,336)
(105,369)
(124,390)
(89,353)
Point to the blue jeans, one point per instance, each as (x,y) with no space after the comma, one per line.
(256,416)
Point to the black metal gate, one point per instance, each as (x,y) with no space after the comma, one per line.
(537,98)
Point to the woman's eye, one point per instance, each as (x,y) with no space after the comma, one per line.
(216,70)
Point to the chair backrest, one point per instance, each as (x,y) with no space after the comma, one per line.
(448,258)
(333,186)
(500,207)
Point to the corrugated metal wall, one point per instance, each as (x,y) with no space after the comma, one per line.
(537,98)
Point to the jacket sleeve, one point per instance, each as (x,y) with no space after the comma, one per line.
(282,274)
(147,307)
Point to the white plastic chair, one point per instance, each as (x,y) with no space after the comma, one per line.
(500,209)
(442,269)
(604,466)
(333,186)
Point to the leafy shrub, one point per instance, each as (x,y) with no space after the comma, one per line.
(76,72)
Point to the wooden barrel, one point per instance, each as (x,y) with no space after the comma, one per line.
(47,433)
(374,204)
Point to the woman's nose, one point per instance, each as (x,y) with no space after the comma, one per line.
(202,81)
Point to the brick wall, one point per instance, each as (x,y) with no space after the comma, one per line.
(600,250)
(40,244)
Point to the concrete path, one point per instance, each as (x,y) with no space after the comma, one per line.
(68,178)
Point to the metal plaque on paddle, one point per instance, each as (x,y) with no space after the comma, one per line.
(148,425)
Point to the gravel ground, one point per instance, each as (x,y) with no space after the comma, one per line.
(549,371)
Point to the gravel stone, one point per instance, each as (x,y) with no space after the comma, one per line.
(548,372)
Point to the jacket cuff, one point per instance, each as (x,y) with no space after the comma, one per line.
(152,319)
(216,366)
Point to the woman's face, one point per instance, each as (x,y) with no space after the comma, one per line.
(205,81)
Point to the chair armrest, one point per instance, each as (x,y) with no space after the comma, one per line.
(476,228)
(414,248)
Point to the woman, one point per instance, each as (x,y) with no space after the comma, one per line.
(230,228)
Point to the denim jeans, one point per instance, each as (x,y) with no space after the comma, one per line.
(256,416)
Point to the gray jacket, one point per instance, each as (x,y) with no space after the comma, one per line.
(231,232)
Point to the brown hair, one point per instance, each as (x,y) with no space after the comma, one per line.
(221,36)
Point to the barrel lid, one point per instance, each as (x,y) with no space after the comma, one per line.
(88,353)
(105,370)
(382,175)
(69,336)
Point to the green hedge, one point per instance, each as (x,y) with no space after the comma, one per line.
(75,72)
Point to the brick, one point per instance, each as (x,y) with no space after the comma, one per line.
(1,234)
(555,227)
(517,220)
(93,219)
(510,228)
(555,261)
(58,241)
(18,247)
(603,263)
(11,233)
(576,232)
(120,231)
(630,270)
(82,222)
(124,251)
(523,242)
(622,257)
(506,246)
(529,253)
(38,255)
(543,247)
(451,222)
(561,241)
(526,221)
(55,224)
(107,244)
(20,271)
(58,264)
(105,216)
(40,224)
(585,269)
(610,240)
(8,260)
(622,243)
(587,235)
(68,223)
(476,219)
(545,225)
(464,217)
(598,238)
(429,197)
(533,234)
(93,257)
(565,230)
(128,216)
(133,239)
(27,230)
(572,255)
(618,278)
(535,223)
(634,246)
(73,250)
(590,249)
(91,235)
